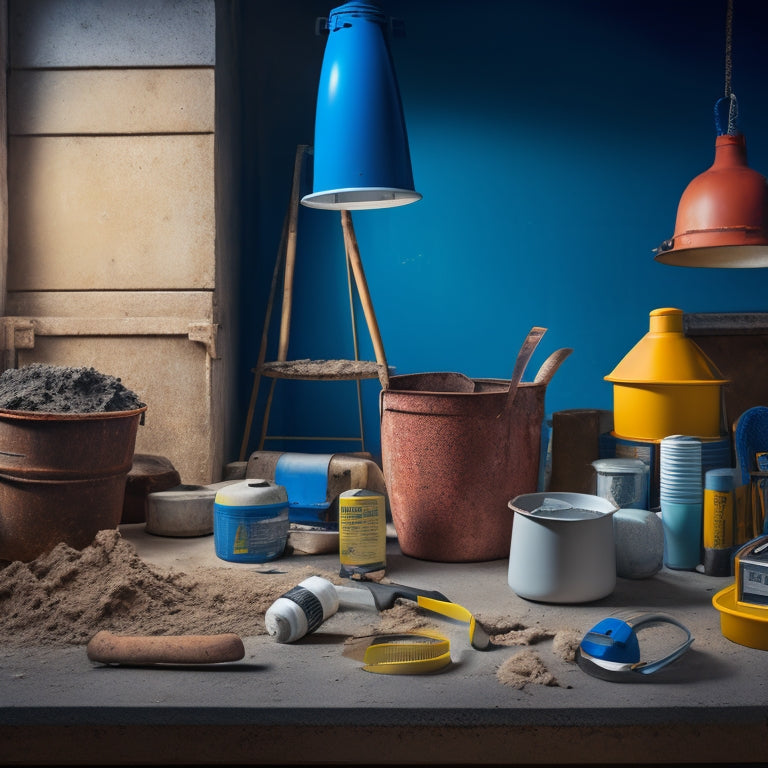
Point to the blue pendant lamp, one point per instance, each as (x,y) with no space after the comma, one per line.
(361,155)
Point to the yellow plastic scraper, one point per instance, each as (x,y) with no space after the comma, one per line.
(381,596)
(478,637)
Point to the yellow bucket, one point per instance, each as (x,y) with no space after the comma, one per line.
(742,624)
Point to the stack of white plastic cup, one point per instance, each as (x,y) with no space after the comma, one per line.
(681,495)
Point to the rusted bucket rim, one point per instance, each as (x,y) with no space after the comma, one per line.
(492,387)
(95,479)
(56,416)
(542,379)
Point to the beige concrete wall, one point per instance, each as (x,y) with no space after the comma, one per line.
(111,173)
(112,234)
(118,101)
(111,212)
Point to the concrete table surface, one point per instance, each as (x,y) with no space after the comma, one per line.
(307,702)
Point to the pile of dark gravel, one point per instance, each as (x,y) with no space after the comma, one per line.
(59,389)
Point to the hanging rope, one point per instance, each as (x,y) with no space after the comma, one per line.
(728,49)
(730,97)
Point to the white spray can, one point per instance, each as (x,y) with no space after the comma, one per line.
(302,609)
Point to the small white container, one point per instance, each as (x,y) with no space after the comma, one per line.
(565,555)
(639,543)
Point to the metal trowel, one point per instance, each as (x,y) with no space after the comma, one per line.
(373,594)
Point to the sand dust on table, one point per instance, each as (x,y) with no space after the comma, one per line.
(523,668)
(526,666)
(66,596)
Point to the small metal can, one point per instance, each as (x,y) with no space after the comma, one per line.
(362,532)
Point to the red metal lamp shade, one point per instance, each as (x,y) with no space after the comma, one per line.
(722,218)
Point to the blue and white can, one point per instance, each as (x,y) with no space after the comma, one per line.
(250,521)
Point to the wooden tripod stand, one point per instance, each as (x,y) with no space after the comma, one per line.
(314,370)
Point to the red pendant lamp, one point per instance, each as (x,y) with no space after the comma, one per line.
(722,218)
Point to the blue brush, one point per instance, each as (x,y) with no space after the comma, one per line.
(751,437)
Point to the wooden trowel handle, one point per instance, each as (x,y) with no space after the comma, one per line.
(107,648)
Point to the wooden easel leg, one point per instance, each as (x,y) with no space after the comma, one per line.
(267,409)
(356,347)
(353,254)
(287,249)
(290,255)
(263,349)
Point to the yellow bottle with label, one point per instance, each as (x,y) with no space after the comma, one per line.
(362,533)
(719,520)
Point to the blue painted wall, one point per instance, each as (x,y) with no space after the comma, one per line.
(551,142)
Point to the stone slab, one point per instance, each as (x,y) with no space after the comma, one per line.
(112,33)
(111,101)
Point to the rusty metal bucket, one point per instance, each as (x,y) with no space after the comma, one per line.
(455,450)
(62,477)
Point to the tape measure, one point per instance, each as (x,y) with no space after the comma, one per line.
(411,653)
(611,650)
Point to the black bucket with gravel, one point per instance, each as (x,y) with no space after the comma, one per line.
(67,439)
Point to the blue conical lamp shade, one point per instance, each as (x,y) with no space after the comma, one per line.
(361,155)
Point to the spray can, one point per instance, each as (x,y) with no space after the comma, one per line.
(362,532)
(302,609)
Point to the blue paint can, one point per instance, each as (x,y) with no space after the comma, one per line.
(250,521)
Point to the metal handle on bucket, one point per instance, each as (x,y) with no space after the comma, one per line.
(526,352)
(550,365)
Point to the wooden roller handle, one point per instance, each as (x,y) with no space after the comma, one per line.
(108,648)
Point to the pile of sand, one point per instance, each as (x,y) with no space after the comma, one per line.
(67,595)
